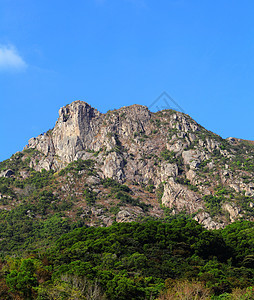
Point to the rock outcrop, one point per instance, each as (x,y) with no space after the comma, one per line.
(7,173)
(180,198)
(166,150)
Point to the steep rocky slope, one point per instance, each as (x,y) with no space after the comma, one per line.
(166,162)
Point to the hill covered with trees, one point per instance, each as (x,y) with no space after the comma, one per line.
(136,261)
(127,205)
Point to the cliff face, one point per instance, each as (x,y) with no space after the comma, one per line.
(166,151)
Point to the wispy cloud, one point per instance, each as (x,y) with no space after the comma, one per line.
(10,60)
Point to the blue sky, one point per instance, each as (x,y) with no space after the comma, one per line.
(113,53)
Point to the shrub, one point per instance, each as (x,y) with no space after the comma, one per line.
(184,289)
(90,196)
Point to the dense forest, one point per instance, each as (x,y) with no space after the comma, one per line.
(147,260)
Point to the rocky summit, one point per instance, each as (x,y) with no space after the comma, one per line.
(131,163)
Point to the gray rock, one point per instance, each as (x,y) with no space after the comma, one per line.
(124,216)
(192,158)
(205,219)
(92,180)
(167,170)
(180,198)
(128,143)
(7,173)
(234,211)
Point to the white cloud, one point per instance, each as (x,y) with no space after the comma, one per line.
(10,59)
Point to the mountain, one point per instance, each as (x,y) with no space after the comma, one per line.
(67,202)
(128,164)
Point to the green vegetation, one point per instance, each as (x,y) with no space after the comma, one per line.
(90,196)
(135,261)
(122,192)
(213,204)
(171,157)
(47,251)
(160,191)
(115,186)
(78,166)
(186,181)
(37,179)
(20,160)
(21,231)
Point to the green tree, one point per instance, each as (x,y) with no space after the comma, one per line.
(23,279)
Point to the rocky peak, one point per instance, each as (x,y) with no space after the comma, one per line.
(165,150)
(79,111)
(75,129)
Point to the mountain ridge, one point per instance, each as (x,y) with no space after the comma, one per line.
(166,153)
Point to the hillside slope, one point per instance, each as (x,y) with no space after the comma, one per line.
(129,164)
